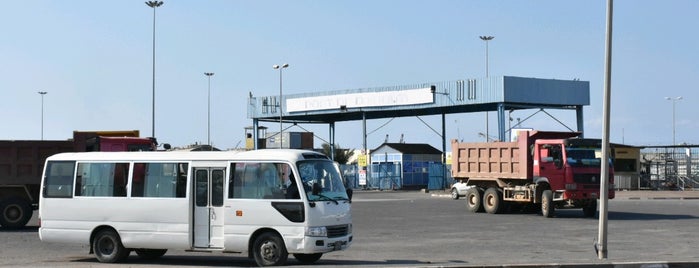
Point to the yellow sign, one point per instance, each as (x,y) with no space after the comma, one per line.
(361,160)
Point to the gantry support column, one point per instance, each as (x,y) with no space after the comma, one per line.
(579,117)
(501,122)
(332,140)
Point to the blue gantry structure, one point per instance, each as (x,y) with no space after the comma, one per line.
(496,93)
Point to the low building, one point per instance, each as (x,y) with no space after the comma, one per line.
(402,165)
(627,167)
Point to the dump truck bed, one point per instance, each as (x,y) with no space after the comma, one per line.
(499,160)
(490,160)
(21,162)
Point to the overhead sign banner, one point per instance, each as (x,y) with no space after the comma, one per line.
(359,100)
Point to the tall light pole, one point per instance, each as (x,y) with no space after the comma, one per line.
(42,93)
(486,39)
(208,112)
(154,5)
(674,100)
(601,245)
(285,65)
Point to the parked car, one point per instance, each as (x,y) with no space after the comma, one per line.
(458,189)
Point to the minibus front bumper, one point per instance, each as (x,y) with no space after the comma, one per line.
(325,244)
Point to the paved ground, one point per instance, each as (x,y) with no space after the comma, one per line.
(685,195)
(646,229)
(413,229)
(633,195)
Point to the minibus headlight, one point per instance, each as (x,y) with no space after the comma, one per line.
(317,231)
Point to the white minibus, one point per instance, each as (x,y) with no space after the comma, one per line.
(266,203)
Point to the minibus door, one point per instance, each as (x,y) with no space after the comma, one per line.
(208,207)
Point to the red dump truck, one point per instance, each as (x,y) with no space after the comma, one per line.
(544,169)
(22,162)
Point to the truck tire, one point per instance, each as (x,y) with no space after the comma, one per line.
(15,212)
(492,201)
(474,200)
(269,250)
(590,209)
(547,208)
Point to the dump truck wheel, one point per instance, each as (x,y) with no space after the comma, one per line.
(547,208)
(15,212)
(492,201)
(474,200)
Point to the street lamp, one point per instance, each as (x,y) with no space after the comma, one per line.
(486,39)
(208,113)
(674,100)
(285,65)
(153,4)
(42,93)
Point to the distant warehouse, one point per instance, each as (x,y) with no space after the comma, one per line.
(402,165)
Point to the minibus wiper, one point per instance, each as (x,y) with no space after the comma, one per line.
(326,198)
(341,198)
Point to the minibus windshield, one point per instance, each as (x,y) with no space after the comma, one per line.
(326,178)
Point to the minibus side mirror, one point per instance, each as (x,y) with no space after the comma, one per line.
(316,188)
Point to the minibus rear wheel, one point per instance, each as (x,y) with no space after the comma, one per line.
(108,248)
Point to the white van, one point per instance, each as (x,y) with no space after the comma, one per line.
(266,203)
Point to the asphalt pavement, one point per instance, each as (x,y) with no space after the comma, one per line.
(620,195)
(648,229)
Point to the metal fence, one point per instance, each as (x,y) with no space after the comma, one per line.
(385,176)
(388,176)
(661,168)
(351,175)
(669,168)
(440,176)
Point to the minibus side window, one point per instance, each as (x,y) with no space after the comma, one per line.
(101,179)
(159,180)
(58,180)
(235,181)
(258,180)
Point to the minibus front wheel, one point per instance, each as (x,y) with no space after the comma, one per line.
(269,250)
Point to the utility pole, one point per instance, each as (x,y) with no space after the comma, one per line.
(601,246)
(154,5)
(285,65)
(486,39)
(42,93)
(208,113)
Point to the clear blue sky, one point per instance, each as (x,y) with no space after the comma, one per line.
(94,60)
